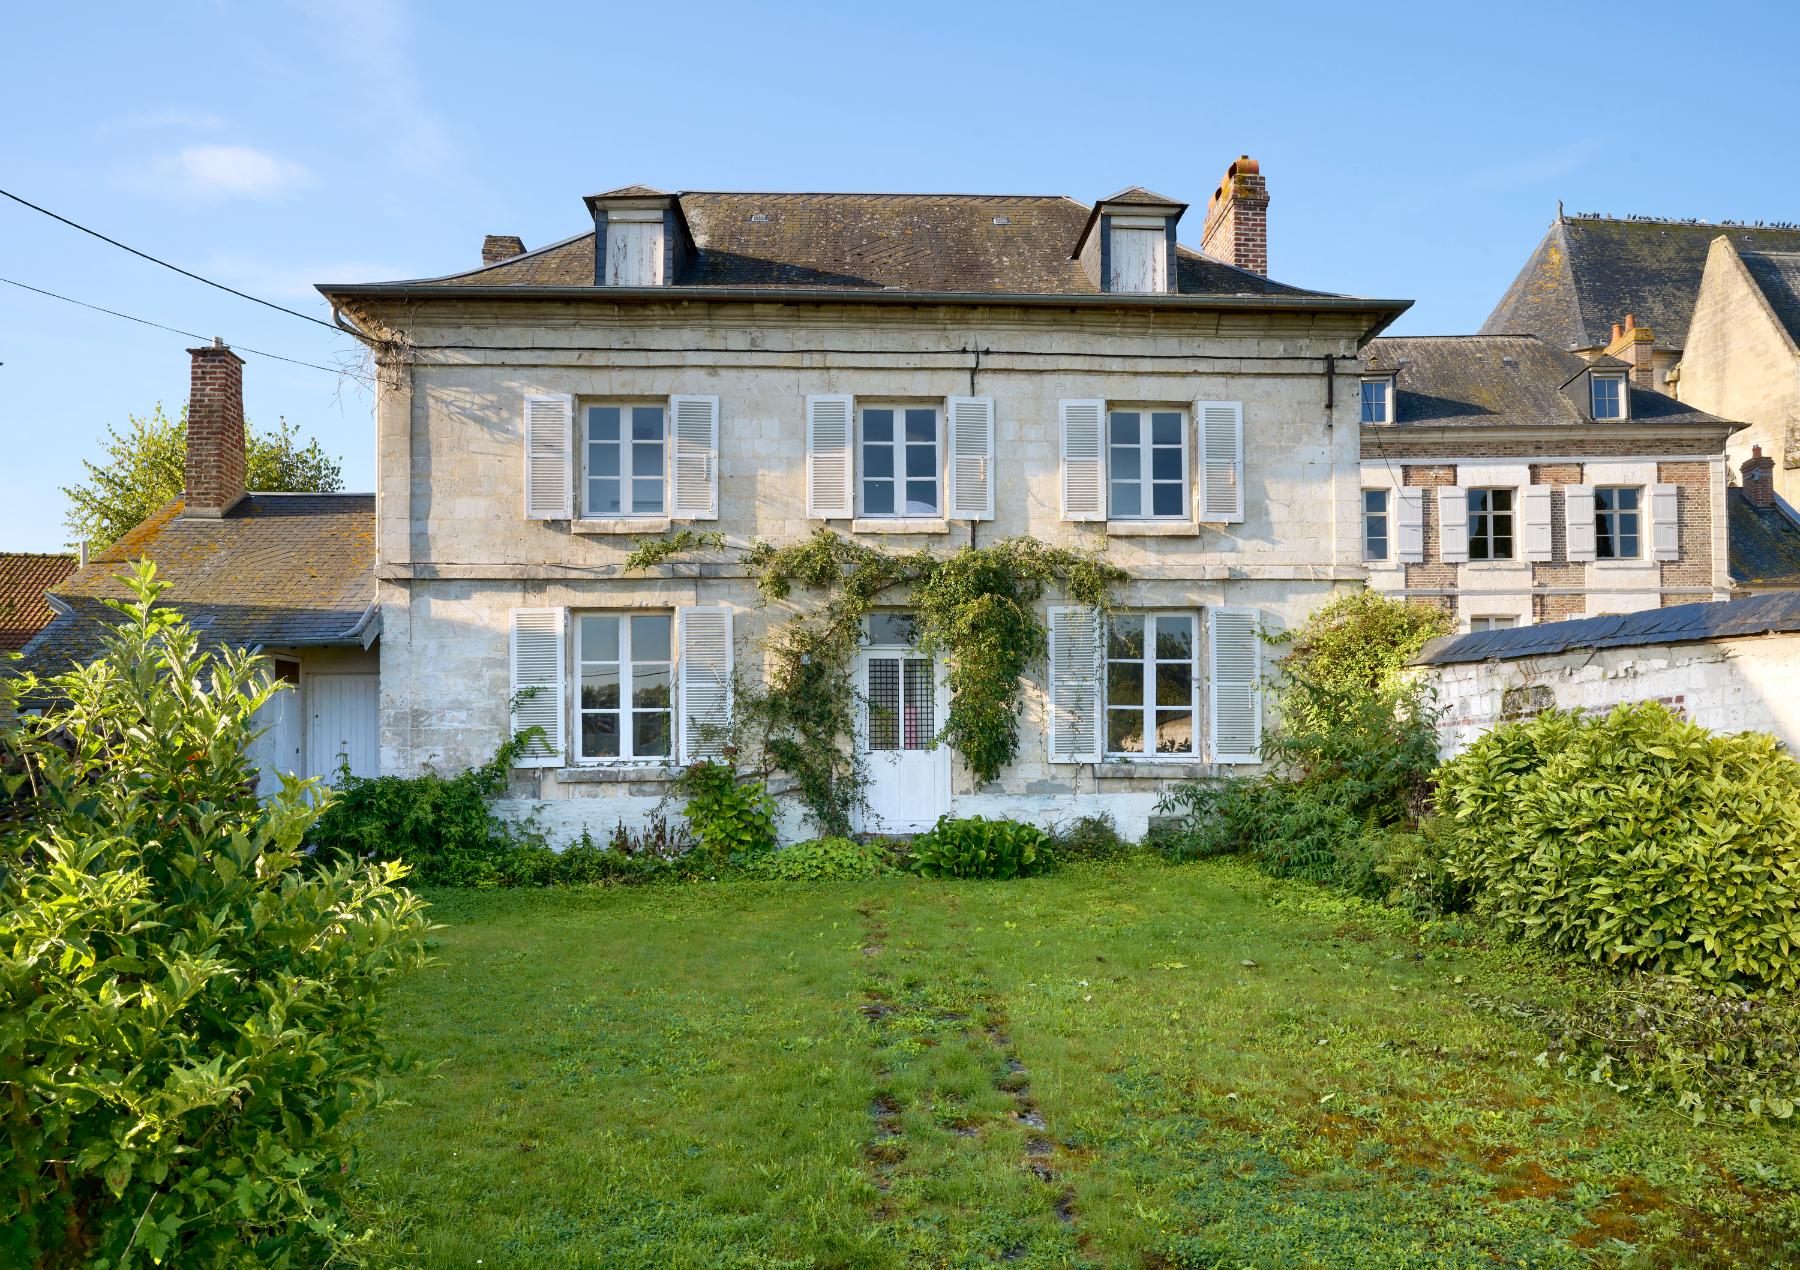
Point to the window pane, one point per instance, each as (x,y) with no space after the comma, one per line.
(1174,638)
(599,639)
(884,703)
(1502,498)
(1165,428)
(650,637)
(646,495)
(1124,427)
(1165,465)
(893,628)
(1174,684)
(878,461)
(603,459)
(1166,500)
(1126,463)
(878,498)
(921,425)
(1603,498)
(646,460)
(1125,731)
(650,734)
(600,735)
(1125,683)
(878,425)
(1478,501)
(1628,545)
(1174,731)
(1125,637)
(918,710)
(603,423)
(921,460)
(1375,500)
(600,689)
(1628,499)
(921,498)
(1127,500)
(646,423)
(650,688)
(603,497)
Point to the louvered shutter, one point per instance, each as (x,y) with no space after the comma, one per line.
(971,426)
(537,683)
(1077,645)
(695,458)
(1083,460)
(1220,425)
(829,432)
(549,467)
(704,686)
(1578,521)
(1453,524)
(1234,662)
(1409,525)
(1665,522)
(1536,506)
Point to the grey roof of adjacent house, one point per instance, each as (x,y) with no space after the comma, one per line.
(1590,271)
(1776,613)
(893,245)
(1765,543)
(1501,380)
(1777,276)
(277,571)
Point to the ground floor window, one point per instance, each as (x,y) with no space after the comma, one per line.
(625,706)
(1496,622)
(1616,522)
(1152,684)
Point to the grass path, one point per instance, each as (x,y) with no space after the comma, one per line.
(1132,1066)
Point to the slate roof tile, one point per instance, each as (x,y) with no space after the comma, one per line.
(1764,542)
(1775,613)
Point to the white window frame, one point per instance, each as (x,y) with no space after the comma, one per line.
(1493,621)
(627,708)
(1145,454)
(1595,379)
(1641,514)
(1387,520)
(898,447)
(1514,515)
(1148,663)
(627,502)
(1386,384)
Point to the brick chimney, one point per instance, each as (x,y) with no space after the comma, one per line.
(1237,218)
(1757,474)
(1633,343)
(215,431)
(498,247)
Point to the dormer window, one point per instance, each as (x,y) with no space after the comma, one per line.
(1140,254)
(1378,400)
(634,247)
(1608,395)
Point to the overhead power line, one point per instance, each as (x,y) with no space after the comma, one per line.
(186,273)
(172,329)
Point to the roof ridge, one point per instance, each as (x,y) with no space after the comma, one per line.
(875,194)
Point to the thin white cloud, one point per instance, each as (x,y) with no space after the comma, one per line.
(211,171)
(1535,169)
(373,39)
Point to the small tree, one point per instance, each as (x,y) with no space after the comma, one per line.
(189,1019)
(142,469)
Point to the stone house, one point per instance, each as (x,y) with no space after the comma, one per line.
(1514,482)
(916,371)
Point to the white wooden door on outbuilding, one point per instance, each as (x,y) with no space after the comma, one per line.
(341,724)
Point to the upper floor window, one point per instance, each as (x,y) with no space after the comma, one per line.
(625,702)
(1493,623)
(901,462)
(1147,465)
(634,248)
(1375,524)
(1140,259)
(1152,684)
(624,458)
(1609,396)
(1616,522)
(1377,401)
(1490,524)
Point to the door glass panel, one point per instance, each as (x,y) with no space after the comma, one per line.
(895,630)
(884,703)
(920,717)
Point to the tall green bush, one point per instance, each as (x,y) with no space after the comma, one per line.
(189,1020)
(1637,840)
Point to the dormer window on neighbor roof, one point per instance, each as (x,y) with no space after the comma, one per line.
(1607,393)
(1128,243)
(1378,399)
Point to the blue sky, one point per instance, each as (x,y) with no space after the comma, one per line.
(1411,151)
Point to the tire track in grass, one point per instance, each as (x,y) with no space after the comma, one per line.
(884,1151)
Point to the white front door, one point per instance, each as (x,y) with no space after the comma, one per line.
(904,701)
(341,724)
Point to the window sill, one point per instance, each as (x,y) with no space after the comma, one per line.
(614,774)
(1170,768)
(1152,529)
(898,525)
(1625,566)
(622,525)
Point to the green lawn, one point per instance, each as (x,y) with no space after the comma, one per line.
(1137,1065)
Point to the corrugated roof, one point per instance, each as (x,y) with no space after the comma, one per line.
(279,570)
(24,577)
(1765,543)
(1775,613)
(1589,272)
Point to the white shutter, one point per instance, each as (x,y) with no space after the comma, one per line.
(1536,500)
(537,683)
(1220,425)
(1578,521)
(703,699)
(1453,524)
(1083,460)
(695,465)
(549,468)
(1077,648)
(1139,259)
(829,429)
(1665,522)
(1234,664)
(971,429)
(1409,524)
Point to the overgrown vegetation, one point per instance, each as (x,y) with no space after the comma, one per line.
(976,847)
(191,1020)
(977,608)
(733,819)
(823,860)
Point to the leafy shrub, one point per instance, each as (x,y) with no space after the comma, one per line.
(976,847)
(1089,838)
(1208,818)
(823,859)
(1415,866)
(1636,840)
(734,819)
(192,1019)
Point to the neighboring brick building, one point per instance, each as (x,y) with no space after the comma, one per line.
(24,577)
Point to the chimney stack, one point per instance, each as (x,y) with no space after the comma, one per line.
(1635,344)
(498,247)
(215,431)
(1757,473)
(1237,218)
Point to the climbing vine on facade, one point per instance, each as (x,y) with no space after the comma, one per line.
(975,607)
